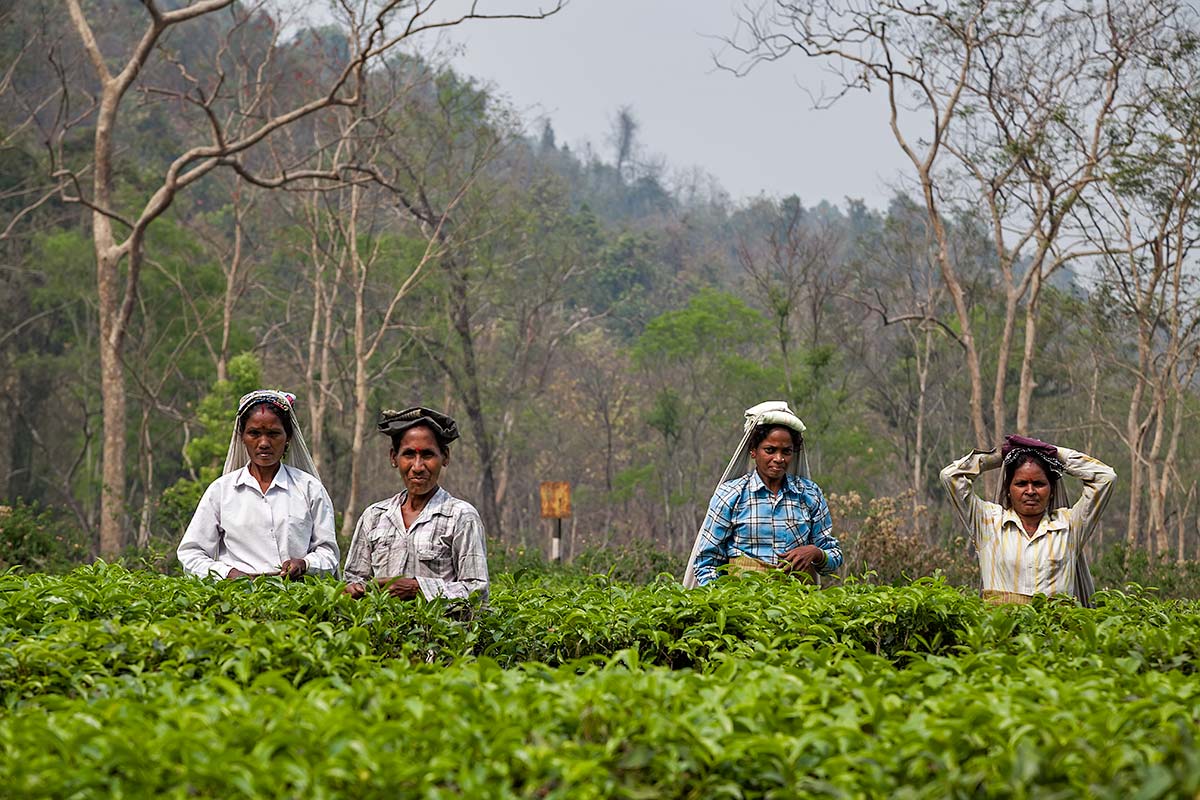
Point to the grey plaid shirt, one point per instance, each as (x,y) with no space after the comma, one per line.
(444,550)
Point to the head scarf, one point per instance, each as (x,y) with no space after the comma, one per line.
(394,423)
(296,455)
(772,412)
(1053,467)
(1059,498)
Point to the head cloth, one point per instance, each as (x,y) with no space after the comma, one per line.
(394,423)
(297,454)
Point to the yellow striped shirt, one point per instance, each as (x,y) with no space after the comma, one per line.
(1010,560)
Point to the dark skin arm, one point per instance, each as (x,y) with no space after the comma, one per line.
(400,588)
(805,558)
(293,569)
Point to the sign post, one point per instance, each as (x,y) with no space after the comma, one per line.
(556,504)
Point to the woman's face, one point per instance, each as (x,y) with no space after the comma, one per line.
(264,437)
(1029,491)
(773,455)
(420,461)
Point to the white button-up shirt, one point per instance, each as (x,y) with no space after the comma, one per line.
(239,525)
(444,549)
(1010,560)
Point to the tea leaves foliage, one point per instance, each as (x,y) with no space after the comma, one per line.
(130,684)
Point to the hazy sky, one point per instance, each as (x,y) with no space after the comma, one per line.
(754,134)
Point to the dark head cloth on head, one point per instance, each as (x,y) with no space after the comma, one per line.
(394,423)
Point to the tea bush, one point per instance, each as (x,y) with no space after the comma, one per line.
(120,683)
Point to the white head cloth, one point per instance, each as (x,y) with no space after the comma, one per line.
(297,454)
(772,412)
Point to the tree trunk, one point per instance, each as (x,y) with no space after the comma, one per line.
(143,533)
(473,401)
(359,269)
(1028,383)
(113,403)
(918,474)
(231,290)
(954,286)
(1133,439)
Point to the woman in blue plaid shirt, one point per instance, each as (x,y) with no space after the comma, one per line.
(774,515)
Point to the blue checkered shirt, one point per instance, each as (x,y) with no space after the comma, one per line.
(745,519)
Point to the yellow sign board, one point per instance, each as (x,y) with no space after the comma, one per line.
(556,499)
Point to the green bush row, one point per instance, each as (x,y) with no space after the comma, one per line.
(982,725)
(70,634)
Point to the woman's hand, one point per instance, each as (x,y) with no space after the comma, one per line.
(805,558)
(355,590)
(293,569)
(235,573)
(400,588)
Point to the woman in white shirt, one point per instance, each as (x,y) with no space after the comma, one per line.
(263,516)
(1031,541)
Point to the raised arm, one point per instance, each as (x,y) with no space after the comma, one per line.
(959,478)
(1097,479)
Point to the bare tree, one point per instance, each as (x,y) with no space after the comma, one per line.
(624,139)
(999,107)
(237,118)
(791,267)
(1146,218)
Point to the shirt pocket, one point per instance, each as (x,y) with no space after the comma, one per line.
(798,523)
(387,547)
(435,556)
(1055,564)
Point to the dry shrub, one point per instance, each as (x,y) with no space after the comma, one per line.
(888,536)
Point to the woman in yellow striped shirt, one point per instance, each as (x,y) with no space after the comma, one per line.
(1031,541)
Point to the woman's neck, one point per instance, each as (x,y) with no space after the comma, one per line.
(418,502)
(1031,524)
(264,475)
(772,486)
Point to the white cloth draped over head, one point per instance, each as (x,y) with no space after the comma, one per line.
(772,412)
(297,454)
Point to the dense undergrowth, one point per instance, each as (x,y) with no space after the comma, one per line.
(120,683)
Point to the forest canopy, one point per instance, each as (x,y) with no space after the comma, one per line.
(196,200)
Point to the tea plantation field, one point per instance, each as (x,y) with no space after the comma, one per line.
(124,684)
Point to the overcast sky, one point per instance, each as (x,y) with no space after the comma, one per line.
(754,134)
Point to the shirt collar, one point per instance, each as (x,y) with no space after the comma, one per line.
(1051,520)
(282,479)
(790,484)
(437,505)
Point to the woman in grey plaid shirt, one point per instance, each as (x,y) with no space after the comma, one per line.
(423,540)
